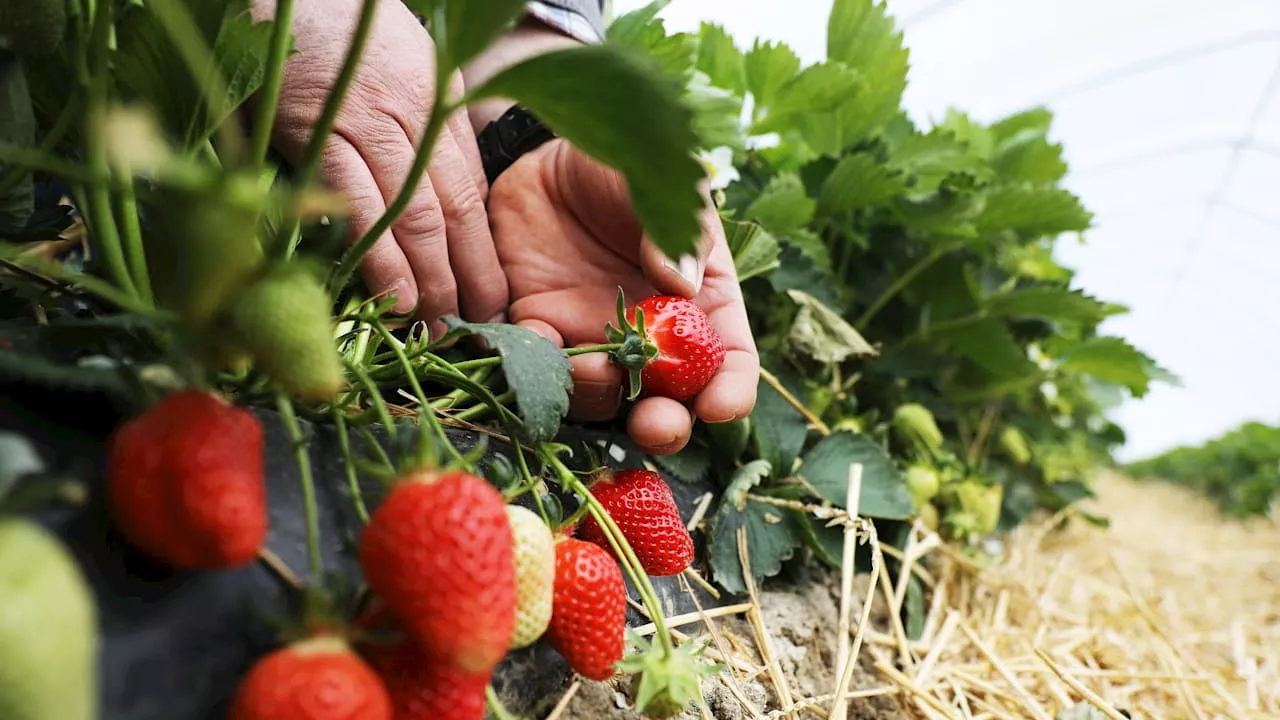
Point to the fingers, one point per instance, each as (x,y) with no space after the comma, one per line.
(385,269)
(731,394)
(660,426)
(597,388)
(482,285)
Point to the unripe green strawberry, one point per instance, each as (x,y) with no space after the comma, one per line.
(916,424)
(535,551)
(1014,443)
(48,629)
(922,482)
(729,440)
(929,516)
(285,320)
(32,28)
(202,245)
(981,503)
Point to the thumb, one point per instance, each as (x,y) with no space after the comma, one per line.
(683,275)
(672,276)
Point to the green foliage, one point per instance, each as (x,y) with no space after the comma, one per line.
(918,268)
(1239,469)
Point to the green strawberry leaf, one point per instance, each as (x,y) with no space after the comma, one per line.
(797,270)
(782,205)
(1034,209)
(884,494)
(778,428)
(1112,359)
(537,371)
(1051,302)
(772,533)
(755,251)
(716,113)
(989,344)
(689,465)
(862,36)
(720,58)
(149,67)
(614,105)
(857,181)
(675,54)
(469,25)
(768,67)
(817,88)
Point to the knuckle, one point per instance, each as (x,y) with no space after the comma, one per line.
(424,221)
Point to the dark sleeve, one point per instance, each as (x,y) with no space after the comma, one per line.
(581,19)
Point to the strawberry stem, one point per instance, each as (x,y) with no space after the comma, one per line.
(344,442)
(495,705)
(314,559)
(427,413)
(622,549)
(466,365)
(375,396)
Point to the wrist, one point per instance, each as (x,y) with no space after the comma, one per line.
(529,39)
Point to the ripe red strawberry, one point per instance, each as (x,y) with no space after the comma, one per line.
(589,608)
(679,352)
(315,679)
(438,551)
(421,687)
(185,482)
(641,504)
(424,688)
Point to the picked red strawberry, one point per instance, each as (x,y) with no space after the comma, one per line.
(315,679)
(668,346)
(421,687)
(589,608)
(185,482)
(439,553)
(641,504)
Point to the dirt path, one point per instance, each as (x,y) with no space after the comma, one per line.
(1172,612)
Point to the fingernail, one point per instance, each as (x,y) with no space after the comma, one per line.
(687,268)
(498,319)
(405,302)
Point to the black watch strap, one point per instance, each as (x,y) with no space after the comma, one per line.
(504,140)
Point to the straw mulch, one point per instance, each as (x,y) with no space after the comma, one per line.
(1172,612)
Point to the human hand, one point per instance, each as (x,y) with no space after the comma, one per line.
(438,257)
(567,239)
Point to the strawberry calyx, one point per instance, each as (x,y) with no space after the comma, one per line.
(635,349)
(666,683)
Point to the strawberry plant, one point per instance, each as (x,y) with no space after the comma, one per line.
(900,282)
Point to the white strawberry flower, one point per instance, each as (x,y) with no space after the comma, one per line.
(719,165)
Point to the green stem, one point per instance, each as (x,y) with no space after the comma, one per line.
(901,282)
(135,255)
(571,352)
(205,72)
(379,404)
(288,236)
(495,705)
(621,547)
(270,93)
(440,111)
(481,408)
(344,442)
(428,414)
(315,560)
(101,221)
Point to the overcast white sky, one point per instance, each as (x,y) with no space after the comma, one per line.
(1170,114)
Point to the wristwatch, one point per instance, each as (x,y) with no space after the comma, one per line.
(504,140)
